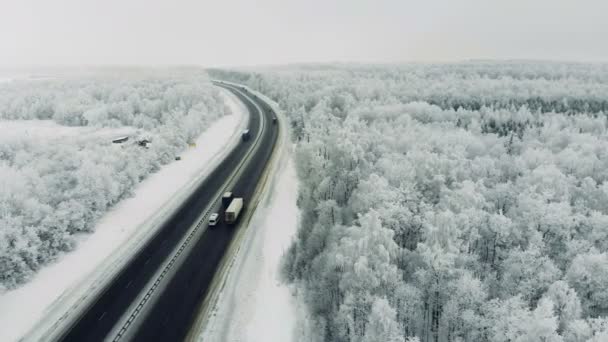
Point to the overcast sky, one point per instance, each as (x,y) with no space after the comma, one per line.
(250,32)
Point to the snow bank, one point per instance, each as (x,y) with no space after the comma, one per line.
(51,290)
(254,304)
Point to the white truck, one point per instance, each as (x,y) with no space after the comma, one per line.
(233,210)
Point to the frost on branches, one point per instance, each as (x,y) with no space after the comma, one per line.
(56,181)
(445,203)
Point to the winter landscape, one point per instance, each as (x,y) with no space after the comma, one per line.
(462,202)
(60,169)
(347,171)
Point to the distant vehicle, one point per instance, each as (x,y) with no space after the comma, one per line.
(233,210)
(178,158)
(120,140)
(246,135)
(213,219)
(274,120)
(227,198)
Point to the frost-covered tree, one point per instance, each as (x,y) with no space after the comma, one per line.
(588,275)
(512,320)
(382,325)
(566,304)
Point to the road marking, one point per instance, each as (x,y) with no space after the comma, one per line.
(129,284)
(147,261)
(102,316)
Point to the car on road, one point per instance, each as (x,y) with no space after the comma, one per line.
(246,135)
(213,219)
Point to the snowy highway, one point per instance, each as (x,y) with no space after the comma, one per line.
(157,294)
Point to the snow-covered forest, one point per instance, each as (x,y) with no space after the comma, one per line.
(445,203)
(60,170)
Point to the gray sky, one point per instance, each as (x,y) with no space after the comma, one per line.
(248,32)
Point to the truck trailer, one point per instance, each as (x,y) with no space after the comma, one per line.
(233,210)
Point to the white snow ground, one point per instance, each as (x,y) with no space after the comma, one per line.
(50,292)
(254,305)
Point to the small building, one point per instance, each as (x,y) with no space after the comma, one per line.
(120,140)
(144,143)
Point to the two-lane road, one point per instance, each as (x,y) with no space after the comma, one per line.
(169,315)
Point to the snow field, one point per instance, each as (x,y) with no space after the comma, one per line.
(273,317)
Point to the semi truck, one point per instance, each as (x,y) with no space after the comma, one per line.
(245,135)
(234,210)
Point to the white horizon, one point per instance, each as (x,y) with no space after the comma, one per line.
(66,33)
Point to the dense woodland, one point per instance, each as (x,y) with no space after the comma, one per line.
(54,189)
(445,203)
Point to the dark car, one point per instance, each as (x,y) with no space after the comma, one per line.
(246,135)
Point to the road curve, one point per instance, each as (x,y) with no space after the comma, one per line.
(169,315)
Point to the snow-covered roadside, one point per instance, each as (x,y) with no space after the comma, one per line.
(254,305)
(51,289)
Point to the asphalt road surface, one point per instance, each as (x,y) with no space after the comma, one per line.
(169,317)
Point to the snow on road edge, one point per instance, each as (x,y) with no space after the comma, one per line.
(254,305)
(51,292)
